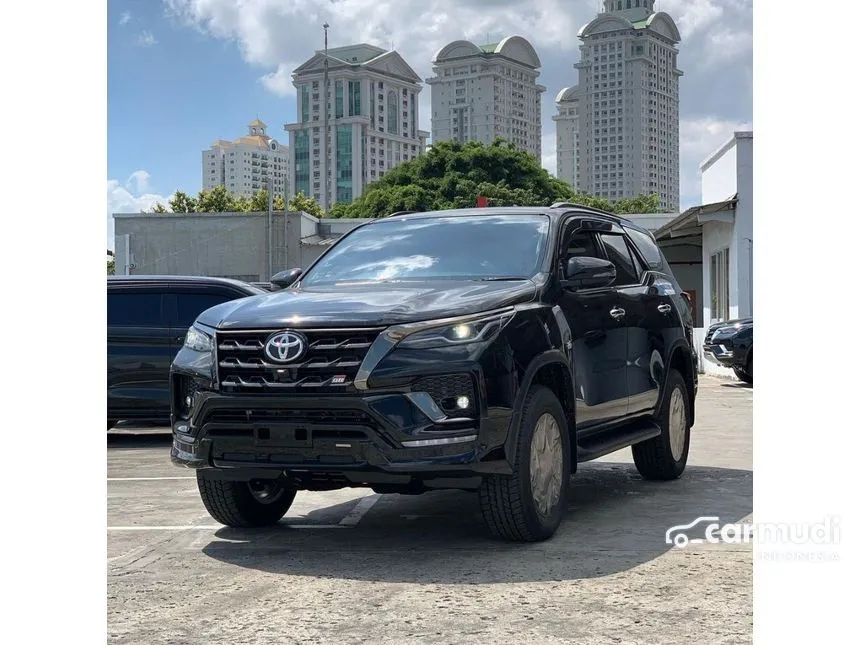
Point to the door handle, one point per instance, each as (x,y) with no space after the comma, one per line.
(664,309)
(617,313)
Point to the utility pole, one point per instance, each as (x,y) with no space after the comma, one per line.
(270,228)
(325,125)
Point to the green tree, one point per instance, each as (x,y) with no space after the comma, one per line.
(307,204)
(216,200)
(158,207)
(111,263)
(182,203)
(453,175)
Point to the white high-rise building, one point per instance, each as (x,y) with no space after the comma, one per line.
(372,121)
(480,92)
(567,135)
(628,113)
(243,166)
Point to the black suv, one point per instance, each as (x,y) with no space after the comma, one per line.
(730,344)
(147,317)
(479,349)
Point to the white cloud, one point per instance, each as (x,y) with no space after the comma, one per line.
(549,160)
(130,198)
(280,81)
(146,39)
(124,17)
(138,181)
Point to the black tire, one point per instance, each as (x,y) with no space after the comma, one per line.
(743,375)
(507,502)
(653,458)
(234,504)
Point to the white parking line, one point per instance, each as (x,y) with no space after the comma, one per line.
(354,516)
(215,527)
(144,479)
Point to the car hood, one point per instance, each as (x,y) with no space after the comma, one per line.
(731,323)
(367,304)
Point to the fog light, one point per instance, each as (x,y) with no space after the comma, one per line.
(463,402)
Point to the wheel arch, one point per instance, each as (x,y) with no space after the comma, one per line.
(681,359)
(552,370)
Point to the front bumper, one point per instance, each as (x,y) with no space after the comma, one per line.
(380,438)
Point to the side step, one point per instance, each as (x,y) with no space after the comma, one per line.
(609,441)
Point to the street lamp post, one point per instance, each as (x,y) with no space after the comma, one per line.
(325,124)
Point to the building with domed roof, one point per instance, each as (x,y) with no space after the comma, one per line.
(567,135)
(245,165)
(627,110)
(480,92)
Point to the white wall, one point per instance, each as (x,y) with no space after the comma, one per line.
(717,236)
(744,225)
(720,175)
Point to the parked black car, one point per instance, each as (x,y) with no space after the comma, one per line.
(147,317)
(479,349)
(730,344)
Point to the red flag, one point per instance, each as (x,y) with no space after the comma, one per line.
(482,202)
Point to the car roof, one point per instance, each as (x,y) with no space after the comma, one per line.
(181,279)
(554,211)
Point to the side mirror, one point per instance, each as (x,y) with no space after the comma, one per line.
(285,279)
(588,273)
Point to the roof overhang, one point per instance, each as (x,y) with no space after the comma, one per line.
(688,225)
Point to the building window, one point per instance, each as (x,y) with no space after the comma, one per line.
(354,98)
(306,103)
(720,285)
(344,163)
(338,99)
(392,112)
(302,169)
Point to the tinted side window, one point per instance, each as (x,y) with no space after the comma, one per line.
(618,253)
(582,245)
(135,309)
(191,305)
(649,250)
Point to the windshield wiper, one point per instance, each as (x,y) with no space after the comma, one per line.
(501,278)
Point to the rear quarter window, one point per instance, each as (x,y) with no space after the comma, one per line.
(648,248)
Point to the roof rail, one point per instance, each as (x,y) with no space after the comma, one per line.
(400,213)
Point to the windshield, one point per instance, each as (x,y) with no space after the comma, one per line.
(471,248)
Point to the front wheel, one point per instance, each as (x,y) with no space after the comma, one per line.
(529,505)
(743,375)
(251,504)
(665,456)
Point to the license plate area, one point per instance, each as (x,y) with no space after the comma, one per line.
(282,434)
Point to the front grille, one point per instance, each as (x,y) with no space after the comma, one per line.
(445,388)
(710,335)
(329,365)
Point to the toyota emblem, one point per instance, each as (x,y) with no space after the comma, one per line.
(285,346)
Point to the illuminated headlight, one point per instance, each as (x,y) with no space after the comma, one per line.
(463,402)
(456,333)
(198,340)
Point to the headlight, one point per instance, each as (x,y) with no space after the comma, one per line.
(467,330)
(198,340)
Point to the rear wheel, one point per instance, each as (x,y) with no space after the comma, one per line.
(529,505)
(665,456)
(256,503)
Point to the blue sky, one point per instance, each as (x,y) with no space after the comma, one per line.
(183,73)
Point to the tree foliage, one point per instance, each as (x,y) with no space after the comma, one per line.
(453,175)
(307,204)
(220,200)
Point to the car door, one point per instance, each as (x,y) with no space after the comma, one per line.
(599,337)
(139,354)
(186,302)
(644,317)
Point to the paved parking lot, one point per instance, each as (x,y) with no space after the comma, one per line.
(354,567)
